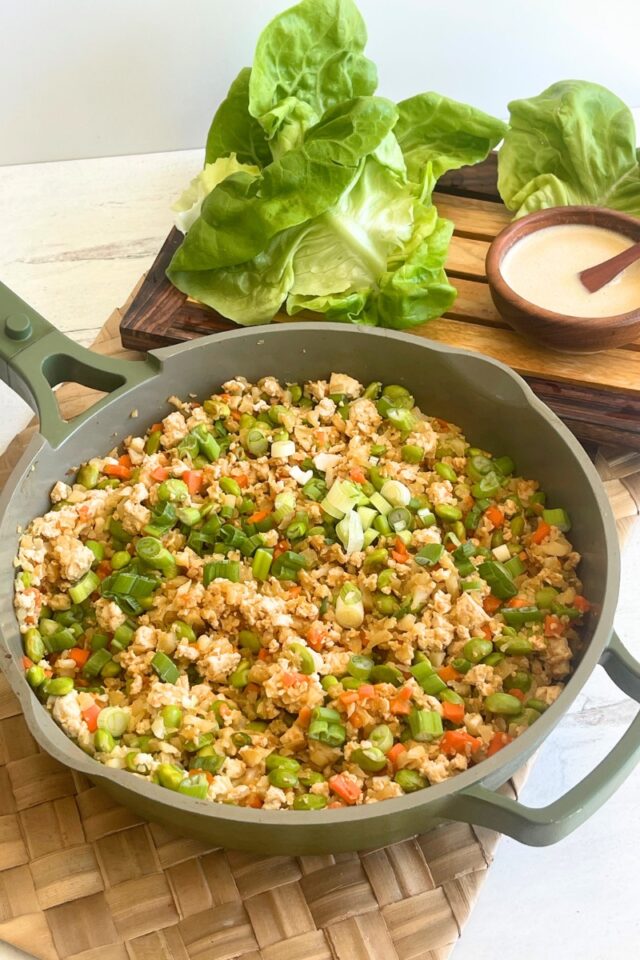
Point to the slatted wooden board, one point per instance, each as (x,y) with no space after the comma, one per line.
(598,396)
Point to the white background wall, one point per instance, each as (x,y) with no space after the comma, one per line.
(84,78)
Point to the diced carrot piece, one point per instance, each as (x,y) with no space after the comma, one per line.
(458,741)
(125,460)
(79,655)
(155,427)
(103,569)
(258,516)
(498,741)
(241,479)
(491,604)
(448,674)
(582,604)
(518,694)
(399,707)
(90,717)
(553,626)
(357,475)
(495,514)
(304,716)
(263,654)
(358,718)
(453,712)
(543,530)
(404,693)
(288,679)
(396,751)
(254,801)
(486,630)
(193,480)
(400,553)
(366,690)
(280,547)
(517,602)
(316,636)
(160,474)
(346,789)
(117,470)
(348,697)
(26,663)
(294,591)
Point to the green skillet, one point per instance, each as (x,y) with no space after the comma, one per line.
(495,408)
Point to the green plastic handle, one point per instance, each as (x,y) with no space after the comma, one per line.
(35,357)
(541,826)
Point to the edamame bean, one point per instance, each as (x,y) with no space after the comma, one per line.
(503,704)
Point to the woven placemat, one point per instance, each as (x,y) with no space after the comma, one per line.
(84,879)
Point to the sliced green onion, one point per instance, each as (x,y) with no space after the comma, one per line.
(151,552)
(360,666)
(256,443)
(221,570)
(262,560)
(209,446)
(557,518)
(349,607)
(97,549)
(350,532)
(96,662)
(498,578)
(425,725)
(115,720)
(165,667)
(84,587)
(307,663)
(429,555)
(396,493)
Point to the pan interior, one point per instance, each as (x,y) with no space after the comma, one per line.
(495,410)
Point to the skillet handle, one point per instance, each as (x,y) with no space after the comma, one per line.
(35,357)
(541,826)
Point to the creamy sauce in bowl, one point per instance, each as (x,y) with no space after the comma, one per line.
(543,268)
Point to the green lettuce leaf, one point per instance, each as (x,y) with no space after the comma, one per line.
(188,205)
(307,60)
(376,256)
(234,130)
(243,213)
(575,143)
(437,134)
(411,289)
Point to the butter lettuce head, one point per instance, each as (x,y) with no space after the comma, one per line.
(189,204)
(326,204)
(575,143)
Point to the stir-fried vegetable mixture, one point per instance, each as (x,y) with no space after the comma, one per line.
(298,596)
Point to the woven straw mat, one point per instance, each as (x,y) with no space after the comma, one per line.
(83,879)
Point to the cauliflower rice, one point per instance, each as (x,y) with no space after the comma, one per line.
(298,597)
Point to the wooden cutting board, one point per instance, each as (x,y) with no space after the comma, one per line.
(598,396)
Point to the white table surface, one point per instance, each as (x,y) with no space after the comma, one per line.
(74,238)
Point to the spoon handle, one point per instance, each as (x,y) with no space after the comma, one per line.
(594,278)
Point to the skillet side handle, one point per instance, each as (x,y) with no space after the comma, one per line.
(35,357)
(542,826)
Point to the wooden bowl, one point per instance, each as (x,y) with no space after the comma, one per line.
(559,331)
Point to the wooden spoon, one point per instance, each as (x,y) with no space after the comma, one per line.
(603,273)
